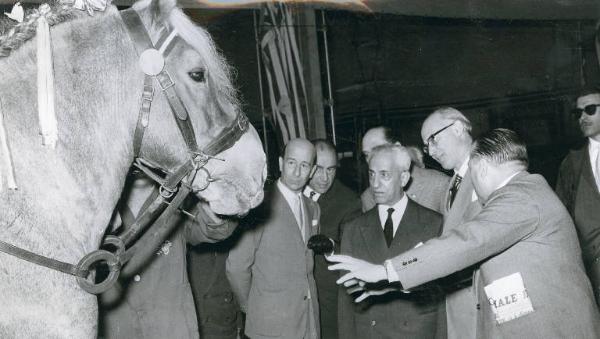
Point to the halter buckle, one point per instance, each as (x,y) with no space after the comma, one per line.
(164,80)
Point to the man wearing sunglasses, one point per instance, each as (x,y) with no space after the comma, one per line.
(578,184)
(446,135)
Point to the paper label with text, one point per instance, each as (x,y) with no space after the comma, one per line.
(508,298)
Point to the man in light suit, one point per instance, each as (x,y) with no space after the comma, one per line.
(396,225)
(270,269)
(446,134)
(532,283)
(426,187)
(337,203)
(578,185)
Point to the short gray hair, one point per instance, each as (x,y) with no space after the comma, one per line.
(500,146)
(399,152)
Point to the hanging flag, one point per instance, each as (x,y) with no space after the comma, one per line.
(283,70)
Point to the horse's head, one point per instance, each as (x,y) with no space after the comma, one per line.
(202,81)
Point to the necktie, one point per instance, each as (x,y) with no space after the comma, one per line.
(300,216)
(388,228)
(312,195)
(454,189)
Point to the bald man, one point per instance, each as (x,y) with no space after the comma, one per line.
(426,187)
(270,268)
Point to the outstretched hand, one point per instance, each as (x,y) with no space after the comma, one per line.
(360,271)
(367,291)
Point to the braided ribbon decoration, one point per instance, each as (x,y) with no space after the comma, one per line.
(45,81)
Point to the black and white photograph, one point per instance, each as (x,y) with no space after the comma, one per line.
(300,169)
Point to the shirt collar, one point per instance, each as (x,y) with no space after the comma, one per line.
(307,192)
(595,145)
(462,171)
(505,182)
(289,195)
(398,206)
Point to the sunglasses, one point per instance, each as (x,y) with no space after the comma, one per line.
(589,110)
(431,139)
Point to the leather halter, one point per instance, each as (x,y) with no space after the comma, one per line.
(174,188)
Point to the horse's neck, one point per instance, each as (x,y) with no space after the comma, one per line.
(68,193)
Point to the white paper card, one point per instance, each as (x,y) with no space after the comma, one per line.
(508,298)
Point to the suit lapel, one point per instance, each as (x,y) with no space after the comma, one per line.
(289,220)
(401,241)
(372,234)
(462,201)
(588,174)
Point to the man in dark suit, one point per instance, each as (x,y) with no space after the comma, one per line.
(395,225)
(426,187)
(337,203)
(531,282)
(270,268)
(578,185)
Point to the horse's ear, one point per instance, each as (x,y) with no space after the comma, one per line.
(160,9)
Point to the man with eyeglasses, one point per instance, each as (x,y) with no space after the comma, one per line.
(578,185)
(446,135)
(426,186)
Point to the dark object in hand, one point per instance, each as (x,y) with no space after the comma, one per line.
(321,244)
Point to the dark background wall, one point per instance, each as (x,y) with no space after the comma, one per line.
(394,70)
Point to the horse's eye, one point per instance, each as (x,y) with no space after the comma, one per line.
(197,76)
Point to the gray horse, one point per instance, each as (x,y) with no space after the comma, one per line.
(66,194)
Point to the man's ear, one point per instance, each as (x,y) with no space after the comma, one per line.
(404,178)
(483,168)
(458,128)
(280,164)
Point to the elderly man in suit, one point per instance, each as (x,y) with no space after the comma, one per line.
(578,185)
(532,282)
(337,203)
(446,134)
(270,268)
(395,225)
(426,187)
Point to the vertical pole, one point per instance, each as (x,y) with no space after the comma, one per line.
(260,88)
(330,95)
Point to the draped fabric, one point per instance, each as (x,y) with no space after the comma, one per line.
(283,70)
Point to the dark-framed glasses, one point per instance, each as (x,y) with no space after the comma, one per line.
(432,141)
(589,110)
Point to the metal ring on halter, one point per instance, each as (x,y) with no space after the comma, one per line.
(166,192)
(93,258)
(200,159)
(116,242)
(209,179)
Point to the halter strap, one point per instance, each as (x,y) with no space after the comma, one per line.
(164,45)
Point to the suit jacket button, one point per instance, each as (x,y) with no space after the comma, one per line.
(373,323)
(305,297)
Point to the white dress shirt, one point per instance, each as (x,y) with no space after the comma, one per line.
(594,150)
(294,200)
(308,191)
(399,209)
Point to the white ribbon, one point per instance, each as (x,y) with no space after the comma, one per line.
(45,81)
(90,5)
